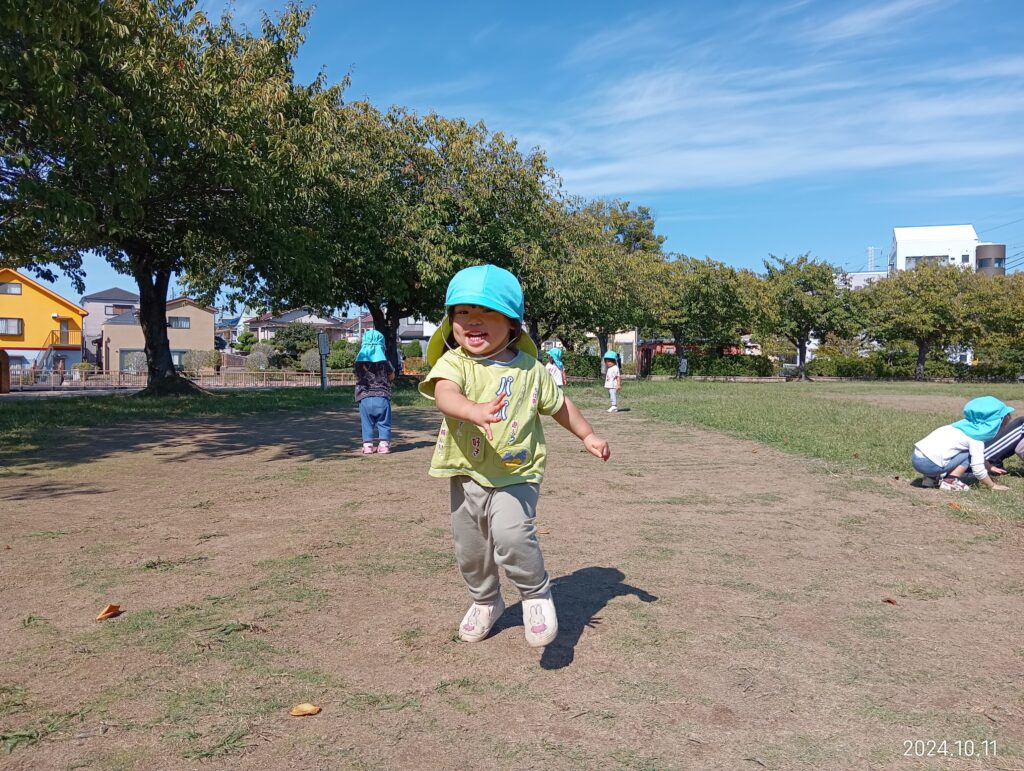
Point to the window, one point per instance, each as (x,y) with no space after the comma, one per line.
(179,322)
(12,327)
(117,310)
(10,287)
(176,359)
(966,258)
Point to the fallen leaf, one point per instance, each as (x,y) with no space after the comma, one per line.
(856,455)
(955,506)
(897,477)
(543,532)
(890,601)
(303,710)
(109,612)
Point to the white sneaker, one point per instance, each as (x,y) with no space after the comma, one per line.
(540,621)
(953,485)
(613,409)
(479,619)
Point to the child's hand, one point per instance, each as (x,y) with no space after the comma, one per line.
(484,413)
(597,447)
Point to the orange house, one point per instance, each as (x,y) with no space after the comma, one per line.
(38,327)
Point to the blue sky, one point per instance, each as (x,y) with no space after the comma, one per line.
(749,128)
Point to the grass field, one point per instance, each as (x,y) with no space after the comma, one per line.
(746,584)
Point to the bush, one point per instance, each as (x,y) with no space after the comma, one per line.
(720,366)
(342,355)
(192,361)
(257,361)
(82,366)
(412,350)
(416,365)
(135,362)
(581,364)
(310,360)
(245,342)
(294,339)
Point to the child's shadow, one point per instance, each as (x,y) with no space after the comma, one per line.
(579,597)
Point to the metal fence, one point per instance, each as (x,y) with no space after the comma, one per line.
(32,379)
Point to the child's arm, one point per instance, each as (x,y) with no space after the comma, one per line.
(451,401)
(570,418)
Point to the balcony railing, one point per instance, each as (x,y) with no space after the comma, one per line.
(64,338)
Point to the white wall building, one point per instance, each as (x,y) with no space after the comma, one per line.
(939,244)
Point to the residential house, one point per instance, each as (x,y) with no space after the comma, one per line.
(38,327)
(266,326)
(189,328)
(945,245)
(103,306)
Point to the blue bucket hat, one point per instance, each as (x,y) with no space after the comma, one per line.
(556,356)
(611,355)
(982,417)
(489,287)
(372,349)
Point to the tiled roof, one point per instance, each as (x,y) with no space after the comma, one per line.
(114,293)
(128,317)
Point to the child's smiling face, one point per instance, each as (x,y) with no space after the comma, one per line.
(480,331)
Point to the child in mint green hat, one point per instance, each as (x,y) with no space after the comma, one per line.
(486,380)
(944,456)
(612,378)
(555,367)
(374,374)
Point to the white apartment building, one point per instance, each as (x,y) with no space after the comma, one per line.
(939,244)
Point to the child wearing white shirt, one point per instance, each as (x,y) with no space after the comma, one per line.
(947,452)
(612,379)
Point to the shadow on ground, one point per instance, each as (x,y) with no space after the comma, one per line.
(579,598)
(303,435)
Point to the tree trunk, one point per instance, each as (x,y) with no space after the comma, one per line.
(162,378)
(922,354)
(533,328)
(602,341)
(801,354)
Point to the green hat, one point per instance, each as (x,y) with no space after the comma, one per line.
(372,349)
(489,287)
(982,417)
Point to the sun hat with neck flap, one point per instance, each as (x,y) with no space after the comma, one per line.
(982,417)
(372,348)
(489,287)
(556,356)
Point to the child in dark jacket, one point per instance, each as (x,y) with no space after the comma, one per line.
(374,374)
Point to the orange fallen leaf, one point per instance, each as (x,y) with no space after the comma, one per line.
(109,612)
(890,601)
(955,506)
(303,710)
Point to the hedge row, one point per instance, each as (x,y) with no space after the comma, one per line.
(880,366)
(727,366)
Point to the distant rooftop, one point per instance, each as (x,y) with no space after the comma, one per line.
(936,233)
(114,293)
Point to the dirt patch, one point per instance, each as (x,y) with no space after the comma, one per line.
(953,405)
(722,605)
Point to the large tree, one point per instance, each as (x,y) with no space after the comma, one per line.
(158,139)
(418,198)
(704,303)
(934,306)
(800,299)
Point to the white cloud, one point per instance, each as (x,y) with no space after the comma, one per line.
(876,19)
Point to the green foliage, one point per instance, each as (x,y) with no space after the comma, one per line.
(310,360)
(801,298)
(343,355)
(257,361)
(933,305)
(245,341)
(294,339)
(193,361)
(160,140)
(581,364)
(704,303)
(412,349)
(723,366)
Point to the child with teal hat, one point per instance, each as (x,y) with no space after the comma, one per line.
(944,456)
(555,367)
(374,375)
(492,391)
(612,378)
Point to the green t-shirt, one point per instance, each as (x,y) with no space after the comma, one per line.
(516,454)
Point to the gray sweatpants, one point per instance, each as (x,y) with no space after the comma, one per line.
(495,527)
